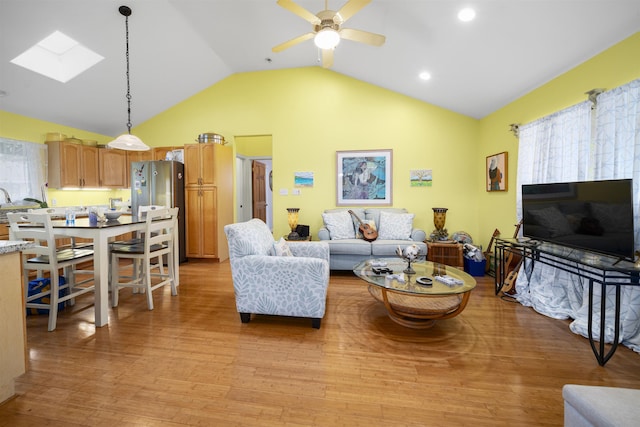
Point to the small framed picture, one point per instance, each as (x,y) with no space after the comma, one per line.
(496,172)
(363,177)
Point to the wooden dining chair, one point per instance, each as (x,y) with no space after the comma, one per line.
(157,242)
(45,256)
(138,237)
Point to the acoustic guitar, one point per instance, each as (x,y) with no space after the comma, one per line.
(368,233)
(487,253)
(512,265)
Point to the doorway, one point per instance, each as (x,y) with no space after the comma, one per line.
(254,188)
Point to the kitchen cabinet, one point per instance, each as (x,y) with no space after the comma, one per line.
(4,231)
(160,153)
(73,165)
(137,156)
(209,199)
(113,168)
(13,339)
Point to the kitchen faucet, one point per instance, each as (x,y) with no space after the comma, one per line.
(6,195)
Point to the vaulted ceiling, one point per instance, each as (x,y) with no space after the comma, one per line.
(180,47)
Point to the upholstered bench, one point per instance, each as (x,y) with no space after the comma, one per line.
(600,406)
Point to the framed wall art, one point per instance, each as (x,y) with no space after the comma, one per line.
(364,177)
(496,172)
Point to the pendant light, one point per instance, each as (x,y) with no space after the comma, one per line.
(127,141)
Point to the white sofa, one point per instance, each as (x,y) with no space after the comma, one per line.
(600,406)
(346,249)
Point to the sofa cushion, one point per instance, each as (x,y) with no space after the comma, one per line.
(358,211)
(339,224)
(350,247)
(249,238)
(281,248)
(395,226)
(374,213)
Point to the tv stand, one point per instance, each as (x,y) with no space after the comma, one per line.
(598,270)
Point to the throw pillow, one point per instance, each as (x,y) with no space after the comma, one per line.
(395,226)
(340,225)
(281,248)
(370,222)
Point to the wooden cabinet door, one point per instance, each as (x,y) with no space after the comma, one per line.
(207,165)
(192,164)
(201,222)
(70,165)
(112,168)
(209,222)
(160,153)
(192,217)
(90,166)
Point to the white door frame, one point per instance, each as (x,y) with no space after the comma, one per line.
(243,188)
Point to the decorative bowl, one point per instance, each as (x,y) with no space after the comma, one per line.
(111,215)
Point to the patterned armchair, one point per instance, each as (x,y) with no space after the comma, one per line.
(265,283)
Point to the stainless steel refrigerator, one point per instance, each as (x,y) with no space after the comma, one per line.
(160,183)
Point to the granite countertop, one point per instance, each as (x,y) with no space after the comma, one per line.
(10,246)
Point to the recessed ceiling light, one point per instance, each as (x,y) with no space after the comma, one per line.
(59,57)
(467,14)
(425,75)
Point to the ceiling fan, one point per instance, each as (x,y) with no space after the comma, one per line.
(327,30)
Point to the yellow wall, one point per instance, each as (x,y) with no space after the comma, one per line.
(23,128)
(254,145)
(614,67)
(311,113)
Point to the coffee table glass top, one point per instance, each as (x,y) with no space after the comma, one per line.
(426,269)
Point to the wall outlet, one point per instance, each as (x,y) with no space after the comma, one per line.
(54,202)
(284,192)
(295,191)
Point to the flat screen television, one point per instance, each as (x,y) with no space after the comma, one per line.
(591,215)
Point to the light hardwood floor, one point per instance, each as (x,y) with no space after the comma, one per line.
(191,362)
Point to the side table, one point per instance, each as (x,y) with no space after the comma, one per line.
(447,253)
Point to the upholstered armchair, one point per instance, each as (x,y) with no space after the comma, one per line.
(267,283)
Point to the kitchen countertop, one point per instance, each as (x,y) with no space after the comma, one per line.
(10,246)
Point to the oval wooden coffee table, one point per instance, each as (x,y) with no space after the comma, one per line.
(412,304)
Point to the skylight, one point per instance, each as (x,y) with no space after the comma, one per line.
(59,57)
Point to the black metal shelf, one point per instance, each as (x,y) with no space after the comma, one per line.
(597,269)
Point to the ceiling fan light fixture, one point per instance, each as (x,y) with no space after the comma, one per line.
(327,38)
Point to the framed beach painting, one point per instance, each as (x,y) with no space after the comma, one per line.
(496,172)
(364,177)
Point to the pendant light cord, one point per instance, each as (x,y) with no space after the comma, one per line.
(126,24)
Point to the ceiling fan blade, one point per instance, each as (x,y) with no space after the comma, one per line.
(292,42)
(362,36)
(300,11)
(327,58)
(351,8)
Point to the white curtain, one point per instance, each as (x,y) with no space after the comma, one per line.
(23,169)
(578,145)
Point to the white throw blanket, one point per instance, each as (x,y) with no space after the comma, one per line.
(562,295)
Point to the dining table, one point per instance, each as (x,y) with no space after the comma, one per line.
(102,233)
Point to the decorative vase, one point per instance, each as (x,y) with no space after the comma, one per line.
(439,219)
(292,217)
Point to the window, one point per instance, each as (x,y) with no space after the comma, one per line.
(23,169)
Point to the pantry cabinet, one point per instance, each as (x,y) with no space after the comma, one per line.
(73,165)
(209,199)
